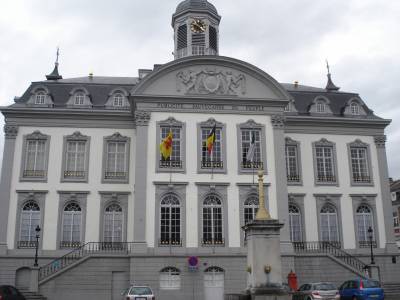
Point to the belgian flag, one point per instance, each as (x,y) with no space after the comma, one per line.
(211,140)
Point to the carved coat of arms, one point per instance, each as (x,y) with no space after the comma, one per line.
(210,82)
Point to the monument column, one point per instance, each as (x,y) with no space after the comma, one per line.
(10,132)
(278,124)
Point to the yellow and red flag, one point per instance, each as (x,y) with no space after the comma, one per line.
(211,140)
(166,146)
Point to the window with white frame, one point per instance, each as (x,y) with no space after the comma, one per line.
(320,107)
(247,136)
(329,224)
(118,100)
(292,162)
(116,165)
(71,226)
(75,163)
(30,219)
(359,164)
(355,108)
(40,97)
(364,221)
(250,208)
(113,223)
(175,160)
(35,156)
(212,221)
(79,98)
(170,279)
(170,221)
(325,162)
(295,223)
(214,158)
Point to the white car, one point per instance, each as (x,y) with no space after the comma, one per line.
(136,292)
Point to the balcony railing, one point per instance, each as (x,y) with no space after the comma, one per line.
(35,173)
(212,242)
(115,175)
(252,165)
(26,244)
(170,242)
(196,50)
(212,164)
(69,244)
(174,164)
(361,179)
(367,244)
(293,178)
(326,178)
(74,174)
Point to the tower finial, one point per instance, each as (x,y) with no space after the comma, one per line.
(55,75)
(330,86)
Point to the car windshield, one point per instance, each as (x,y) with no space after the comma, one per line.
(324,287)
(140,290)
(371,284)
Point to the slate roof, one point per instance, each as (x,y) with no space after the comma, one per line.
(196,5)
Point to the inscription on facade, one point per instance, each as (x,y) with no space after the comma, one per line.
(209,107)
(170,105)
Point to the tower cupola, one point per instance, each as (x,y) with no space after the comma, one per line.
(196,32)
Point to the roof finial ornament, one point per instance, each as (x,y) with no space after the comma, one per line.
(330,86)
(55,75)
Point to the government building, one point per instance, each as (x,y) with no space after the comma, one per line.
(82,163)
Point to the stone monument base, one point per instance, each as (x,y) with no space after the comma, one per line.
(269,293)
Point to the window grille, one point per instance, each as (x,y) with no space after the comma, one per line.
(329,224)
(170,221)
(359,164)
(212,221)
(30,219)
(295,223)
(113,223)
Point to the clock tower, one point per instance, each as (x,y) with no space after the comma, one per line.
(195,24)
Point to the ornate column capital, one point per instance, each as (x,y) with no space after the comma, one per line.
(380,141)
(278,121)
(142,118)
(10,131)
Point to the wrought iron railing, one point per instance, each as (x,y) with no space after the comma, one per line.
(174,242)
(361,178)
(74,174)
(34,173)
(332,248)
(252,164)
(170,164)
(293,178)
(90,248)
(115,175)
(69,244)
(326,178)
(212,242)
(26,244)
(367,244)
(207,164)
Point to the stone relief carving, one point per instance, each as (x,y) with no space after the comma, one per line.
(10,131)
(278,121)
(210,82)
(142,118)
(380,141)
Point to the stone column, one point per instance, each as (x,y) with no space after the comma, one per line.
(278,124)
(385,193)
(142,119)
(10,133)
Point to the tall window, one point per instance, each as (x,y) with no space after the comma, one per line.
(79,98)
(250,208)
(354,108)
(170,279)
(116,165)
(71,226)
(364,220)
(113,223)
(75,159)
(329,224)
(292,162)
(30,219)
(214,159)
(35,156)
(118,100)
(170,221)
(320,107)
(325,168)
(212,221)
(295,223)
(40,98)
(247,135)
(359,164)
(175,160)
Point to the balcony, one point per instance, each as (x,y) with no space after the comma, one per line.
(74,174)
(170,164)
(293,178)
(212,164)
(35,173)
(115,175)
(170,242)
(252,165)
(326,178)
(361,179)
(26,244)
(213,242)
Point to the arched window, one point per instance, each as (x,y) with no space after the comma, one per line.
(79,98)
(212,221)
(364,221)
(320,107)
(30,219)
(71,225)
(170,279)
(113,223)
(329,224)
(214,278)
(40,98)
(354,108)
(250,208)
(118,100)
(295,223)
(170,221)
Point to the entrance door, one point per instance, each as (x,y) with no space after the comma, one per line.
(120,282)
(214,283)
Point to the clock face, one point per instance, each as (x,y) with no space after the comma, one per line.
(198,26)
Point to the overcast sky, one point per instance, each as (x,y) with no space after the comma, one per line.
(288,39)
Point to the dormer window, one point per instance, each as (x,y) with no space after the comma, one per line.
(354,109)
(79,98)
(118,100)
(320,107)
(40,98)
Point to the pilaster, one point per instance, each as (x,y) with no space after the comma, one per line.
(380,141)
(10,133)
(142,119)
(278,124)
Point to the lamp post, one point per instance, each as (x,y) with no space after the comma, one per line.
(37,229)
(370,236)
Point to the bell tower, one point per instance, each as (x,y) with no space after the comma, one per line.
(196,29)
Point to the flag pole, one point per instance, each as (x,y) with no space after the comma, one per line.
(212,165)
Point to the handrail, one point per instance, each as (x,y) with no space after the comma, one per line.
(84,250)
(331,248)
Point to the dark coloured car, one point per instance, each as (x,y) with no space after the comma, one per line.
(317,290)
(361,289)
(8,292)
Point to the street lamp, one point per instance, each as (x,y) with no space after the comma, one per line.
(370,236)
(37,229)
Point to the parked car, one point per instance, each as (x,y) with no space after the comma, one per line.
(317,290)
(136,292)
(361,289)
(8,292)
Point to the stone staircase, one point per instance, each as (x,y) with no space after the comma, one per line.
(31,296)
(392,290)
